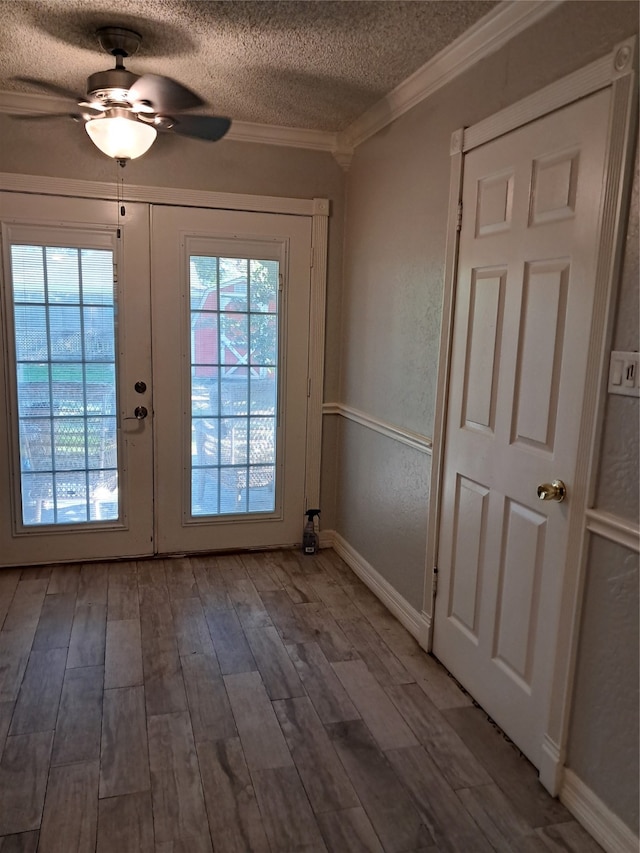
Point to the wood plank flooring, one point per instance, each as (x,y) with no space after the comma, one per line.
(243,703)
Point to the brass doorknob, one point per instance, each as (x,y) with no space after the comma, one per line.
(556,491)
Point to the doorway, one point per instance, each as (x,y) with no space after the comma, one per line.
(528,303)
(156,378)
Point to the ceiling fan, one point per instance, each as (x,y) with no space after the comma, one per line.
(123,112)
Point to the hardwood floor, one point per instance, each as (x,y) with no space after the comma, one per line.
(243,704)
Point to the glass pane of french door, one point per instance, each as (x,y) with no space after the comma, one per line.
(64,339)
(234,384)
(231,407)
(75,333)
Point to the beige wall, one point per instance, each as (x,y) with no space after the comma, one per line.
(395,233)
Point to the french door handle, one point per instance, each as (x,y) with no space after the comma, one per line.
(139,414)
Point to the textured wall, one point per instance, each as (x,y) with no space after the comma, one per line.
(385,504)
(619,470)
(603,744)
(395,235)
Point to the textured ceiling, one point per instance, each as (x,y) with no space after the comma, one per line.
(309,64)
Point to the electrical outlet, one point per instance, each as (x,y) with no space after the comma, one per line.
(624,375)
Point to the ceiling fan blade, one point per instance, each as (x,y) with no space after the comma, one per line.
(44,116)
(164,94)
(52,88)
(210,128)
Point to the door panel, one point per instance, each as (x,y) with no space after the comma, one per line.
(231,292)
(540,354)
(524,301)
(75,295)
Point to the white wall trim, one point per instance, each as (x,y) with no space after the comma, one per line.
(614,529)
(597,818)
(442,383)
(487,36)
(413,620)
(404,436)
(317,323)
(293,137)
(41,185)
(552,759)
(593,77)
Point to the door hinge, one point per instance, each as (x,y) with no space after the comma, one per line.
(309,387)
(459,217)
(434,582)
(313,257)
(280,281)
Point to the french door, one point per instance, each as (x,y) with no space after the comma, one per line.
(155,383)
(231,325)
(75,464)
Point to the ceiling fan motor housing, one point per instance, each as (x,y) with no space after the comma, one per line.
(111,86)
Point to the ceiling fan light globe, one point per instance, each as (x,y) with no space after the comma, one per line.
(120,137)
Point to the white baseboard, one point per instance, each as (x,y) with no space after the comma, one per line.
(416,623)
(599,821)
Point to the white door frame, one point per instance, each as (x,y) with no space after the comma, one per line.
(317,209)
(617,70)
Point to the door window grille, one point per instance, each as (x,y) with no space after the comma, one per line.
(234,384)
(64,334)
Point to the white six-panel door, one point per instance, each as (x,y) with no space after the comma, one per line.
(524,301)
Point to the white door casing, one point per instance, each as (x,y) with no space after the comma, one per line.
(493,540)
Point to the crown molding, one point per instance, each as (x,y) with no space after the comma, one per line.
(30,103)
(271,134)
(487,36)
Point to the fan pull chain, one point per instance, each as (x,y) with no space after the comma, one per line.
(120,208)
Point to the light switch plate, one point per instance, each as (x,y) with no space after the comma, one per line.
(623,374)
